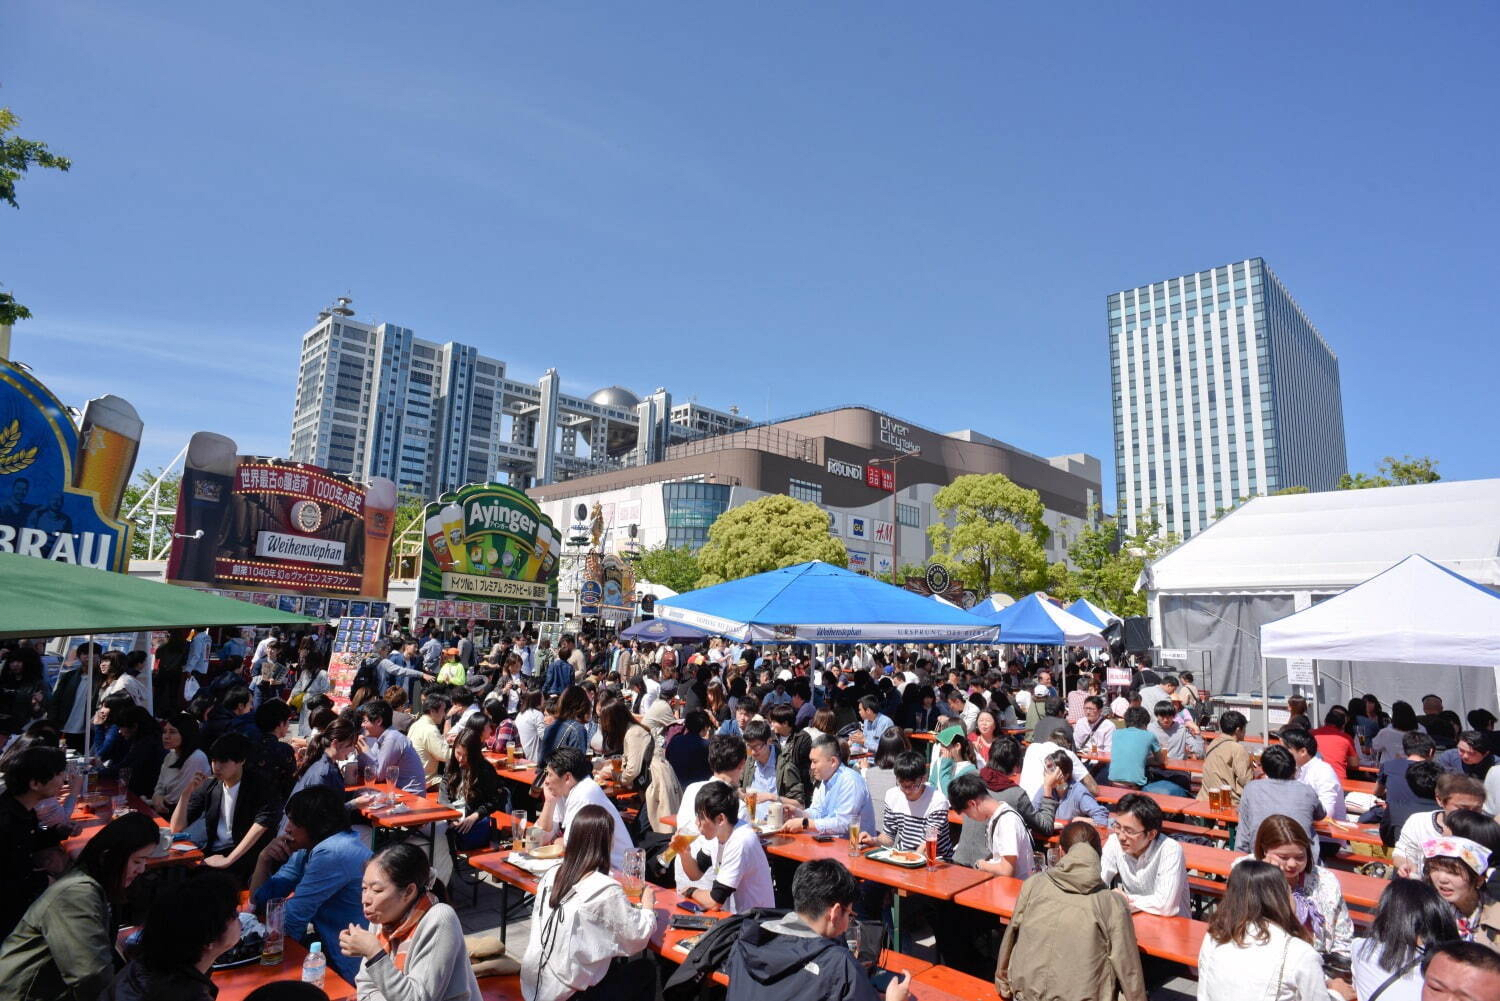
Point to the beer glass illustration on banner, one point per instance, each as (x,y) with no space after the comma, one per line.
(380,516)
(107,444)
(452,518)
(203,504)
(437,539)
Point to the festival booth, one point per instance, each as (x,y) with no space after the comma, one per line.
(1035,619)
(1275,556)
(818,602)
(1417,612)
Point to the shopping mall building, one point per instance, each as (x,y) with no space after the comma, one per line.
(840,459)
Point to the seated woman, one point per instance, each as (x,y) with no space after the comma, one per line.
(144,750)
(1410,919)
(1255,947)
(64,945)
(323,875)
(582,922)
(1456,869)
(188,927)
(625,737)
(1070,797)
(1316,896)
(473,789)
(417,952)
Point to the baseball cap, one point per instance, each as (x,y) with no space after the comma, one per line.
(1041,691)
(949,734)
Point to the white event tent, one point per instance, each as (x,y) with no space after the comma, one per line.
(1275,556)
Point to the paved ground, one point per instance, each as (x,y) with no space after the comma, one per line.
(485,919)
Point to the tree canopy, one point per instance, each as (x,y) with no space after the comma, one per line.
(144,543)
(990,533)
(1106,567)
(1394,472)
(17,156)
(670,566)
(767,534)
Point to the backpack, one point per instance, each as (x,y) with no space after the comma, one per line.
(712,953)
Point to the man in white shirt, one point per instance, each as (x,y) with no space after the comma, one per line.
(1151,872)
(727,855)
(567,787)
(1008,851)
(1454,792)
(1095,731)
(1314,771)
(726,758)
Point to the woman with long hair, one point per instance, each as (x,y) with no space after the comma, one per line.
(953,758)
(820,724)
(473,789)
(570,728)
(311,680)
(179,736)
(1316,896)
(23,691)
(1456,869)
(417,952)
(582,922)
(1409,920)
(717,703)
(1256,949)
(119,681)
(624,737)
(880,775)
(64,945)
(320,762)
(983,734)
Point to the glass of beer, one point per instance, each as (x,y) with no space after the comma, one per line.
(678,845)
(616,766)
(518,830)
(751,798)
(273,942)
(853,838)
(380,516)
(109,436)
(510,755)
(633,875)
(932,843)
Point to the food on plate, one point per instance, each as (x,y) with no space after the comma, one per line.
(905,858)
(547,852)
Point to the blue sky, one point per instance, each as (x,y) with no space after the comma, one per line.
(780,206)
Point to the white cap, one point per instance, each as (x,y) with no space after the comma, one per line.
(784,675)
(1040,691)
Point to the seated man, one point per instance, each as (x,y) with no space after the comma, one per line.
(912,809)
(568,786)
(727,855)
(840,799)
(1471,757)
(1141,863)
(1453,793)
(239,808)
(1135,751)
(1171,733)
(1094,733)
(803,955)
(1278,792)
(872,723)
(1226,763)
(1008,843)
(386,746)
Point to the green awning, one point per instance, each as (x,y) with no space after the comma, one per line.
(46,598)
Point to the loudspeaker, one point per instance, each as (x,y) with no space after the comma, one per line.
(1137,634)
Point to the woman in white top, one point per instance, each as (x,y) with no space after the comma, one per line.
(119,680)
(582,921)
(179,735)
(311,680)
(529,724)
(1387,743)
(1255,949)
(1411,917)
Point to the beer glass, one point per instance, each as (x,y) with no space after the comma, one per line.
(203,506)
(679,844)
(380,517)
(633,877)
(273,942)
(392,776)
(750,800)
(437,539)
(932,846)
(517,830)
(109,436)
(853,838)
(452,519)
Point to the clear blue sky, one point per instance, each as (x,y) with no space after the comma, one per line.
(781,206)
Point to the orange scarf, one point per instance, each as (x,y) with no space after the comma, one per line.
(394,940)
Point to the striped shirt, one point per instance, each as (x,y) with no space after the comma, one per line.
(906,823)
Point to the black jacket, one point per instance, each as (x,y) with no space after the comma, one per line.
(256,803)
(711,952)
(23,882)
(784,960)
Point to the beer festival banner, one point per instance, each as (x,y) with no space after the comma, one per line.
(488,543)
(245,521)
(60,489)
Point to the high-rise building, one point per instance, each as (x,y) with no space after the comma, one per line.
(1223,389)
(375,400)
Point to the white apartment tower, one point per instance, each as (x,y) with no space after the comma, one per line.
(1223,389)
(375,400)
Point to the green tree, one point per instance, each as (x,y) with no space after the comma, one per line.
(1106,566)
(17,156)
(144,543)
(899,577)
(766,534)
(990,533)
(670,566)
(1394,472)
(1284,491)
(406,537)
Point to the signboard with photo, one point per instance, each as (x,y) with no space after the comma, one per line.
(488,542)
(244,521)
(60,489)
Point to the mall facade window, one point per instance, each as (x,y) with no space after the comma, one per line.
(802,490)
(690,509)
(909,515)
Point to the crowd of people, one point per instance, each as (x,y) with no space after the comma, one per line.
(718,745)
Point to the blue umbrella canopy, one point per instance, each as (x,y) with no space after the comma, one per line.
(1090,612)
(663,631)
(1034,619)
(820,603)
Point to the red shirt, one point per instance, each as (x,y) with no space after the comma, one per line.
(1336,747)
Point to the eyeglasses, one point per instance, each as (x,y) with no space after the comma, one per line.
(1129,832)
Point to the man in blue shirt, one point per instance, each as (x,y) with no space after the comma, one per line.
(873,723)
(560,672)
(840,799)
(386,747)
(1133,750)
